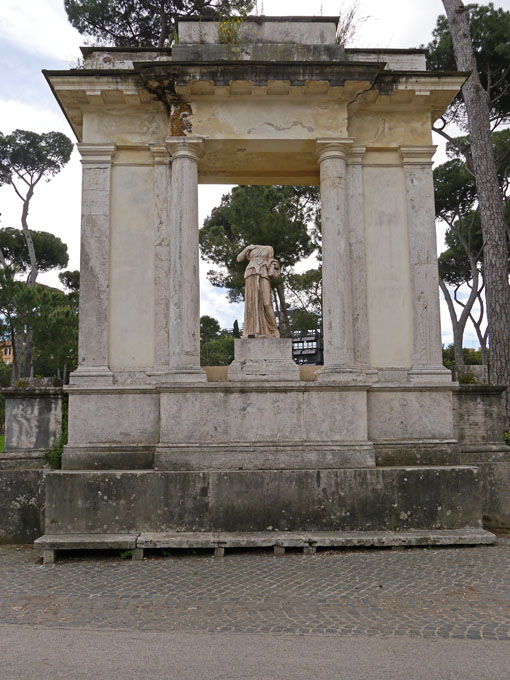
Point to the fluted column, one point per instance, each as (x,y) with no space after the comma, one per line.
(427,353)
(336,280)
(184,289)
(94,265)
(162,207)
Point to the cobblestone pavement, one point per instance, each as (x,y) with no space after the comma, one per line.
(430,593)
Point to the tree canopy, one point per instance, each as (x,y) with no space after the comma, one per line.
(462,263)
(490,31)
(29,156)
(277,216)
(25,159)
(141,23)
(50,251)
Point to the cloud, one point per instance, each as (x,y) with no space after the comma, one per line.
(22,115)
(213,302)
(39,26)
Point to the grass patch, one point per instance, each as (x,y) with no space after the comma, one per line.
(2,442)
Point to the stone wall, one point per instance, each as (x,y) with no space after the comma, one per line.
(33,420)
(21,505)
(478,426)
(365,499)
(477,414)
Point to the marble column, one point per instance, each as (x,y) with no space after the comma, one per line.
(162,207)
(356,231)
(94,265)
(184,289)
(336,279)
(427,353)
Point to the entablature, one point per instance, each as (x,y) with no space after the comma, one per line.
(153,85)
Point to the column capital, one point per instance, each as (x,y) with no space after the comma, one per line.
(160,154)
(417,155)
(332,148)
(356,154)
(185,147)
(96,153)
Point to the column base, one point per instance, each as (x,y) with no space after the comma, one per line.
(91,375)
(182,375)
(342,375)
(430,373)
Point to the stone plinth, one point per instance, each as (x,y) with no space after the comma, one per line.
(363,499)
(478,423)
(33,420)
(268,359)
(478,416)
(21,505)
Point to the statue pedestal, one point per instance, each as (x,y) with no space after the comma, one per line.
(267,359)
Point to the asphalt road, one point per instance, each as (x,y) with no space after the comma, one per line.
(27,653)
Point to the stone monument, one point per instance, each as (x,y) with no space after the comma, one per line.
(259,318)
(262,455)
(261,354)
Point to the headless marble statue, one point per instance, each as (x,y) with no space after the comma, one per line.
(259,318)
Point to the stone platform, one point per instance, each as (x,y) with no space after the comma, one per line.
(356,499)
(308,542)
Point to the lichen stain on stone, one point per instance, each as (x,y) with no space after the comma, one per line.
(180,120)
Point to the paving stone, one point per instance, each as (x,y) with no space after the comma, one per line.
(431,593)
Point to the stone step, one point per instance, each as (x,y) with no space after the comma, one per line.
(52,543)
(278,540)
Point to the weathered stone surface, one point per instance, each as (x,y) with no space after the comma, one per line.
(266,359)
(477,414)
(258,52)
(328,500)
(395,59)
(316,539)
(21,505)
(94,265)
(419,453)
(496,494)
(427,357)
(116,416)
(108,457)
(269,456)
(407,414)
(51,544)
(259,413)
(294,30)
(23,459)
(33,418)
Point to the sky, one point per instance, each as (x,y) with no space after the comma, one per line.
(35,35)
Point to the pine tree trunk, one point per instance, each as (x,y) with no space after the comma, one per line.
(26,366)
(17,354)
(490,199)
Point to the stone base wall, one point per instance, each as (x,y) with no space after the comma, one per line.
(21,505)
(477,415)
(258,425)
(285,500)
(33,418)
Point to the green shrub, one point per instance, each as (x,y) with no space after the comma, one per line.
(467,379)
(54,454)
